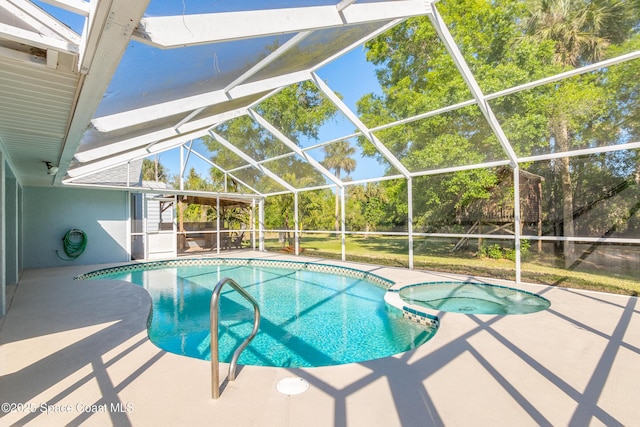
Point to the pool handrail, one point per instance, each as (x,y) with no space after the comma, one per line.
(214,319)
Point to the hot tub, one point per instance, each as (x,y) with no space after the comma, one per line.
(472,298)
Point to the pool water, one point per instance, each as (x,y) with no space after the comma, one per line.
(308,318)
(473,298)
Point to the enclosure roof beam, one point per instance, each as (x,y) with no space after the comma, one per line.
(294,147)
(252,71)
(288,45)
(358,123)
(38,40)
(344,4)
(546,80)
(215,165)
(142,154)
(183,166)
(465,71)
(126,145)
(357,43)
(40,20)
(207,160)
(462,168)
(369,180)
(571,73)
(79,7)
(167,32)
(126,156)
(107,36)
(166,191)
(581,152)
(189,104)
(90,154)
(244,156)
(221,117)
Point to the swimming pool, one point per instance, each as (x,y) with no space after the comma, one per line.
(312,314)
(473,298)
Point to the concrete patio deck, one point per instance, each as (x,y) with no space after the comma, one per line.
(77,353)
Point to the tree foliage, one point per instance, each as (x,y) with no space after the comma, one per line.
(153,170)
(338,157)
(297,111)
(580,31)
(505,44)
(367,207)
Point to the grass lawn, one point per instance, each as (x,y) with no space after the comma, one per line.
(435,255)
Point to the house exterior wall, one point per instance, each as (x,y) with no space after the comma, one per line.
(3,240)
(49,213)
(11,229)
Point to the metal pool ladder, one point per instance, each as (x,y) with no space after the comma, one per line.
(214,317)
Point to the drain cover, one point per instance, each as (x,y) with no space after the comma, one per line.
(292,385)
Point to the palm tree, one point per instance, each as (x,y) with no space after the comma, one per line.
(153,170)
(338,158)
(581,30)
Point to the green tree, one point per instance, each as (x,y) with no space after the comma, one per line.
(367,206)
(298,111)
(194,212)
(623,107)
(417,74)
(498,43)
(277,211)
(580,31)
(153,170)
(338,157)
(315,209)
(194,182)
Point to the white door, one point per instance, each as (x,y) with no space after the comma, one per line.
(160,227)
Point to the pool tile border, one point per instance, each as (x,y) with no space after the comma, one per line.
(295,265)
(421,317)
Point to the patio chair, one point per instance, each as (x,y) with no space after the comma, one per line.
(237,240)
(225,241)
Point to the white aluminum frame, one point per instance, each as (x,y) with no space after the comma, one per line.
(111,25)
(189,30)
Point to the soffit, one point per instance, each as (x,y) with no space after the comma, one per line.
(92,101)
(37,87)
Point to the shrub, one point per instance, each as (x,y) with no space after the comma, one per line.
(493,251)
(496,251)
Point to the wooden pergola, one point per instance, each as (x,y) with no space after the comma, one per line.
(206,231)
